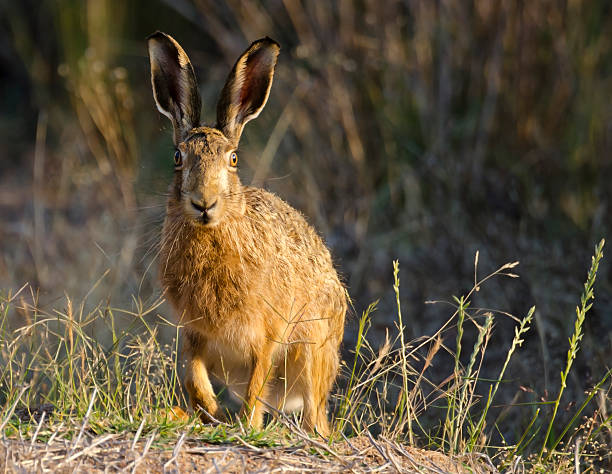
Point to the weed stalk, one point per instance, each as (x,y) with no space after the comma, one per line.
(574,342)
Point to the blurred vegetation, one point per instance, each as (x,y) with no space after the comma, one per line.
(418,130)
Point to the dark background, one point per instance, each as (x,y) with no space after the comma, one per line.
(421,131)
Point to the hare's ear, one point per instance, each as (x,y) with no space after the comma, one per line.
(247,87)
(174,84)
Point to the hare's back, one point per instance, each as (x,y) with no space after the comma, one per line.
(286,231)
(293,245)
(301,265)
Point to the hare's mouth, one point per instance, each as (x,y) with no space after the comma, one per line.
(203,213)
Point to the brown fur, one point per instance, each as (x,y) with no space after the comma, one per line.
(251,280)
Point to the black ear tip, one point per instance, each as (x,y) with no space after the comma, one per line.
(266,41)
(160,36)
(273,42)
(162,43)
(155,35)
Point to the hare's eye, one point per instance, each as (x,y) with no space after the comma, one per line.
(233,159)
(178,159)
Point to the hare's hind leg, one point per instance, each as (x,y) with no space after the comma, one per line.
(304,371)
(310,368)
(322,421)
(197,382)
(325,367)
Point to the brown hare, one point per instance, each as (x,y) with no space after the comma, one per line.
(252,282)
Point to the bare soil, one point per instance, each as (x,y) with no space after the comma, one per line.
(118,453)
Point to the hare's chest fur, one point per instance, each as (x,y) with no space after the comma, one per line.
(207,282)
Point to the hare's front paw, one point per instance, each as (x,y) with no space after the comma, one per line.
(251,417)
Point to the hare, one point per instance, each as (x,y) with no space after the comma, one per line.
(253,284)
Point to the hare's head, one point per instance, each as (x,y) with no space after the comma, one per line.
(207,186)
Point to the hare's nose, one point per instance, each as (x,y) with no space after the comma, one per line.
(202,207)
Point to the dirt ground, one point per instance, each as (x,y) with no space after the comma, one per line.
(117,453)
